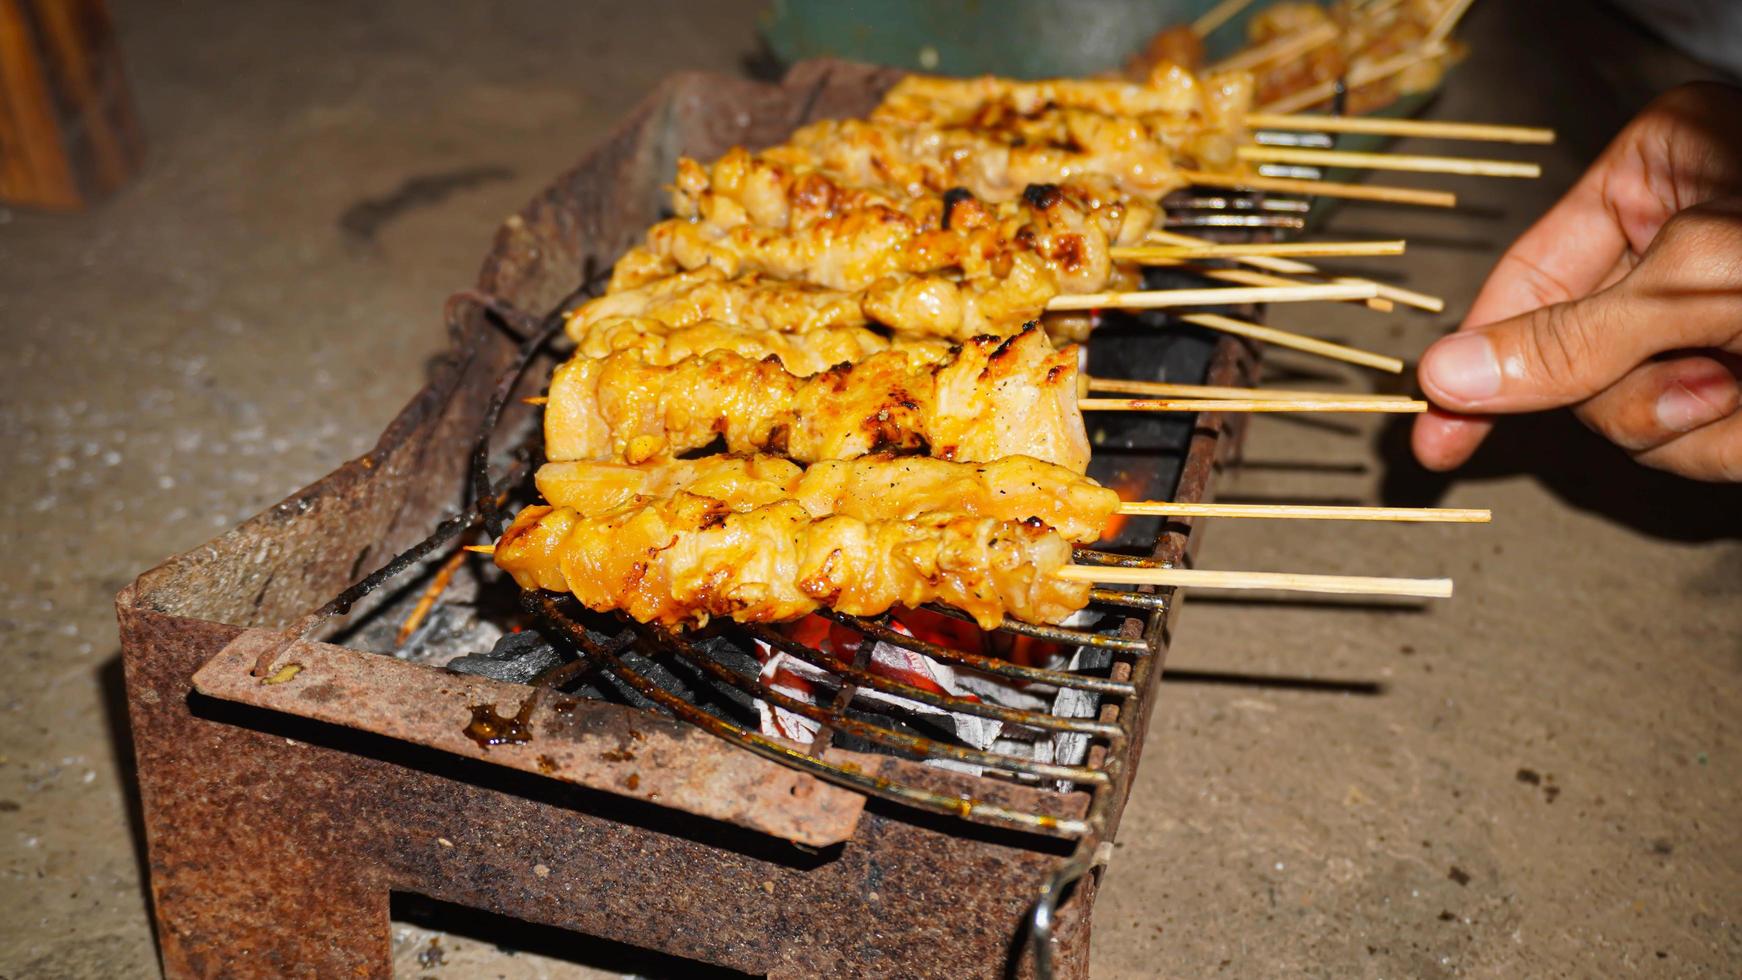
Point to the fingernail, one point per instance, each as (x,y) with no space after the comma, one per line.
(1681,409)
(1464,366)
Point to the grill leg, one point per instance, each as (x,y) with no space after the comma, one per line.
(219,920)
(251,875)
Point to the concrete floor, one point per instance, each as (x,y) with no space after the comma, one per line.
(1537,778)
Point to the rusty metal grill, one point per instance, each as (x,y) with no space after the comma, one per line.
(1090,709)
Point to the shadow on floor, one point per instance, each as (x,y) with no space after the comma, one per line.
(112,681)
(1578,467)
(514,936)
(1274,682)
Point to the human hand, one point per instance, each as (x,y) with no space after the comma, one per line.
(1624,301)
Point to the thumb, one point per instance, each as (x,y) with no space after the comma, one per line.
(1683,294)
(1552,356)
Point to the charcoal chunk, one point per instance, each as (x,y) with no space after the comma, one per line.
(516,658)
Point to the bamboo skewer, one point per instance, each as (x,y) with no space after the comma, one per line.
(1249,277)
(1287,46)
(1218,15)
(1363,74)
(1425,588)
(1410,162)
(1310,512)
(1324,188)
(1274,263)
(1216,401)
(1211,399)
(1221,250)
(427,601)
(1397,294)
(1224,400)
(1297,512)
(1165,389)
(1156,299)
(1390,406)
(1252,277)
(1448,20)
(1376,126)
(1294,341)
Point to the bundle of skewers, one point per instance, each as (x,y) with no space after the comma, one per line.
(871,332)
(1360,56)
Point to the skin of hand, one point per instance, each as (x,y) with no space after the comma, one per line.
(1624,302)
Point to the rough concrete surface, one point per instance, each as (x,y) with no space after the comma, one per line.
(1536,778)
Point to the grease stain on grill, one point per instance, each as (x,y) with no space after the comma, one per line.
(489,727)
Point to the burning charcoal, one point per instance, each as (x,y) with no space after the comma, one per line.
(798,679)
(517,658)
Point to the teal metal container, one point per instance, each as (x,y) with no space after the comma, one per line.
(1018,38)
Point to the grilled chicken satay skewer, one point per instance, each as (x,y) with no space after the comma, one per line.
(1013,275)
(814,351)
(846,241)
(622,407)
(1180,398)
(885,487)
(996,164)
(901,272)
(686,559)
(990,397)
(775,188)
(1292,46)
(916,306)
(1230,162)
(1083,223)
(767,191)
(742,188)
(1164,107)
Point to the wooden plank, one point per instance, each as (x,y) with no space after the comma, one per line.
(68,133)
(37,171)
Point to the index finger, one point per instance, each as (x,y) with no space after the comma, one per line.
(1567,254)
